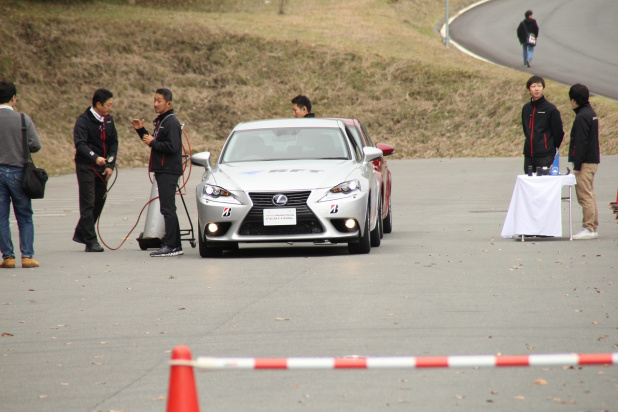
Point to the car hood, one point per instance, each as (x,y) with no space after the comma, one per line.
(282,175)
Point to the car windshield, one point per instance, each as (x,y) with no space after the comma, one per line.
(289,143)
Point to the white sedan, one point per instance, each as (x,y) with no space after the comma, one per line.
(289,180)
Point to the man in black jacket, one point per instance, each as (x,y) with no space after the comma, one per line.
(166,162)
(96,148)
(542,126)
(585,154)
(301,107)
(525,30)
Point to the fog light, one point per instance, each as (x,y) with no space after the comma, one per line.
(350,223)
(212,227)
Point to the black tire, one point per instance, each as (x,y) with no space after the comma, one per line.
(363,246)
(388,221)
(142,245)
(381,221)
(377,231)
(208,251)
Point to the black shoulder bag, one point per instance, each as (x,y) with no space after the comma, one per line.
(34,178)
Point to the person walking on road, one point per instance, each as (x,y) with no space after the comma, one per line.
(166,162)
(542,126)
(12,160)
(584,152)
(96,148)
(528,33)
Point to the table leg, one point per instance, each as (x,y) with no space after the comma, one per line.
(570,216)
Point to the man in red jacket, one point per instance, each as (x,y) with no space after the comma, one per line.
(585,154)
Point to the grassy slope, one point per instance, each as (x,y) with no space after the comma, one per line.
(236,60)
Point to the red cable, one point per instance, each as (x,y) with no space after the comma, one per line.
(179,192)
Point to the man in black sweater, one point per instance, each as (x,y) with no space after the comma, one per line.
(96,148)
(542,126)
(166,162)
(585,154)
(301,107)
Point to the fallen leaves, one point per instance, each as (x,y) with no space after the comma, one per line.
(560,401)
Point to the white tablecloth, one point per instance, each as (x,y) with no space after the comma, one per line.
(535,206)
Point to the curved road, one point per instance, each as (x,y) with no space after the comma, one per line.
(578,39)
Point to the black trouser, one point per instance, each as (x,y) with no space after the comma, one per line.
(92,190)
(167,183)
(535,162)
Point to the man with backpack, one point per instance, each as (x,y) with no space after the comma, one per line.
(527,33)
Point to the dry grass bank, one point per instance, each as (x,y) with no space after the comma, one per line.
(237,60)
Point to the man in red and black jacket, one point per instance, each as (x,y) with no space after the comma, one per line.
(542,126)
(166,163)
(96,148)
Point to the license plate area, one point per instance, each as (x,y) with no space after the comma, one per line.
(280,217)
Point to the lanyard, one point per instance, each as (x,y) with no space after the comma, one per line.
(158,123)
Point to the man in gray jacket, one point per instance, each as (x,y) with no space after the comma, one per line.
(12,160)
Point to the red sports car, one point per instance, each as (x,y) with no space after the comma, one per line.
(363,138)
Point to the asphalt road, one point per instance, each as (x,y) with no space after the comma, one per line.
(578,39)
(93,332)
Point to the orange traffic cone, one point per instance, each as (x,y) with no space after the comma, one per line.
(182,395)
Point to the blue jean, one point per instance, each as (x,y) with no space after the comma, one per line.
(11,191)
(528,52)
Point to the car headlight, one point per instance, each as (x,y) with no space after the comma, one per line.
(218,194)
(345,189)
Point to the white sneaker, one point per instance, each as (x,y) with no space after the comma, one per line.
(585,234)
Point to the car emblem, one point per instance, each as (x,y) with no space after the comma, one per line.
(280,200)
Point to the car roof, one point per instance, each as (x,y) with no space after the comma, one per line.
(290,122)
(347,120)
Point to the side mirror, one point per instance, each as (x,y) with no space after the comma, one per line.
(371,153)
(201,159)
(386,148)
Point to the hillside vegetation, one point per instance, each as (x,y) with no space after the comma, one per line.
(229,61)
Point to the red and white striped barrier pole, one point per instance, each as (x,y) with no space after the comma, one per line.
(403,362)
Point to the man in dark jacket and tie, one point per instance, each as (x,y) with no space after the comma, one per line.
(96,148)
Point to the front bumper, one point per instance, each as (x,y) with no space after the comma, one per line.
(315,220)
